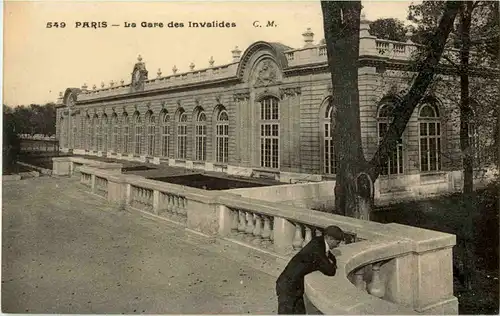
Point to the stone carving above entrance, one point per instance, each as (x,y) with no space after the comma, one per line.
(266,73)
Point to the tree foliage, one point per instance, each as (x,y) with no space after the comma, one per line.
(32,119)
(389,29)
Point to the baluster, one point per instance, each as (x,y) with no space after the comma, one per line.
(272,229)
(250,224)
(234,221)
(175,208)
(134,196)
(150,200)
(184,206)
(180,209)
(376,287)
(168,197)
(297,239)
(243,222)
(308,237)
(139,196)
(359,279)
(258,229)
(266,232)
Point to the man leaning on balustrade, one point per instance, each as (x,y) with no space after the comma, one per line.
(315,256)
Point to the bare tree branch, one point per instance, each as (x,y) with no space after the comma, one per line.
(403,112)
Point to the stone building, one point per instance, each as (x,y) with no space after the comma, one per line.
(265,114)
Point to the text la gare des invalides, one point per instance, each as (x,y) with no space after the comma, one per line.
(171,24)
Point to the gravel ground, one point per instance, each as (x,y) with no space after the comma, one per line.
(66,251)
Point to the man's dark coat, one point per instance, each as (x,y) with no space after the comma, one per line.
(311,258)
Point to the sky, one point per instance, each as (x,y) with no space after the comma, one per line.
(39,62)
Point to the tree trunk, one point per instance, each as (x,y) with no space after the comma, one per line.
(465,109)
(466,148)
(341,23)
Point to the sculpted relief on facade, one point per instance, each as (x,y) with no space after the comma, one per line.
(266,73)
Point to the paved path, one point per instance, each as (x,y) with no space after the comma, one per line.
(66,251)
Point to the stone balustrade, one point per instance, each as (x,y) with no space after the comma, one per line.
(101,186)
(179,79)
(382,269)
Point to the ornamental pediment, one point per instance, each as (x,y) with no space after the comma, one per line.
(266,73)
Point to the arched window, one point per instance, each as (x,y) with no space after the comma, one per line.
(138,134)
(114,137)
(104,132)
(165,134)
(330,161)
(151,134)
(394,164)
(74,133)
(89,136)
(125,134)
(182,136)
(269,133)
(62,133)
(222,137)
(430,138)
(95,132)
(201,136)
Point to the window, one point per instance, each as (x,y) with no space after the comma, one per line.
(165,136)
(104,132)
(430,138)
(330,161)
(89,135)
(74,132)
(182,136)
(114,137)
(394,163)
(62,133)
(95,132)
(222,137)
(269,133)
(151,135)
(201,136)
(126,134)
(138,134)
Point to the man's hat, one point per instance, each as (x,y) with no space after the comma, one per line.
(334,231)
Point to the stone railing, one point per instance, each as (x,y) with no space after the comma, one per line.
(180,79)
(68,166)
(369,46)
(382,268)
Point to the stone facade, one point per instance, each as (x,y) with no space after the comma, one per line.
(265,114)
